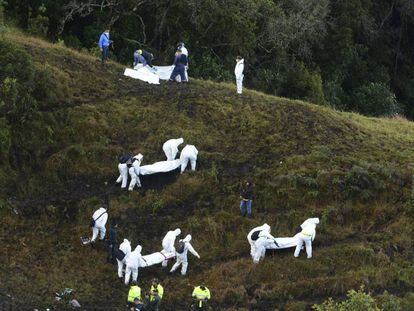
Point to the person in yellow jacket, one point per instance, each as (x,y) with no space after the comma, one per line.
(201,295)
(156,285)
(134,292)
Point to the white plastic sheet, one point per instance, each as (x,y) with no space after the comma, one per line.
(164,72)
(284,243)
(155,258)
(143,73)
(159,167)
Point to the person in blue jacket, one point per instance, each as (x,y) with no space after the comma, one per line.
(143,57)
(104,44)
(180,62)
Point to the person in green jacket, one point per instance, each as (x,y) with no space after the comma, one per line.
(134,292)
(201,295)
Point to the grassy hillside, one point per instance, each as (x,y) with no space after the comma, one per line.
(353,172)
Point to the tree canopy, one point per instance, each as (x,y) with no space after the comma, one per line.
(354,55)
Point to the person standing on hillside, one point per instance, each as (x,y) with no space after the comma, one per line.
(184,50)
(168,243)
(170,148)
(98,222)
(112,244)
(201,295)
(181,254)
(180,63)
(189,153)
(104,44)
(133,293)
(123,162)
(246,196)
(238,71)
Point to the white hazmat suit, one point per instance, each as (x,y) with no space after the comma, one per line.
(168,243)
(259,238)
(125,247)
(101,217)
(238,71)
(189,153)
(182,257)
(123,174)
(134,172)
(132,263)
(170,148)
(306,236)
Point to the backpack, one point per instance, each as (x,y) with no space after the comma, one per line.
(255,235)
(120,255)
(124,159)
(180,247)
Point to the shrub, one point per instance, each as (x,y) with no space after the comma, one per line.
(356,301)
(376,99)
(38,23)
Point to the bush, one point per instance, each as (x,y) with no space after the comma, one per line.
(304,84)
(38,23)
(376,99)
(356,301)
(207,66)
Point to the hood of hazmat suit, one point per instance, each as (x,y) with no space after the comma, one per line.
(309,221)
(177,232)
(125,247)
(139,157)
(187,238)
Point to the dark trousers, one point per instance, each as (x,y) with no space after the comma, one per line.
(105,54)
(111,254)
(178,70)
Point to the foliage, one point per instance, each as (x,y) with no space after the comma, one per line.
(375,99)
(353,55)
(38,22)
(59,164)
(356,301)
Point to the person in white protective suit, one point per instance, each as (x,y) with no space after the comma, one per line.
(182,254)
(306,236)
(124,161)
(125,247)
(170,148)
(168,242)
(189,153)
(132,264)
(99,219)
(259,238)
(134,171)
(238,71)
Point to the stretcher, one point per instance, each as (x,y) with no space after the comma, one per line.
(155,258)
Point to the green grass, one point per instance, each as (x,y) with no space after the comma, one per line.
(354,172)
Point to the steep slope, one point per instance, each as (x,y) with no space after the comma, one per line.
(355,173)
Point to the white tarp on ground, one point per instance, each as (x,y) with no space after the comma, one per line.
(164,72)
(142,73)
(155,258)
(159,167)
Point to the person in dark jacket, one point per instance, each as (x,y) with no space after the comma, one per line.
(180,62)
(246,197)
(154,301)
(112,243)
